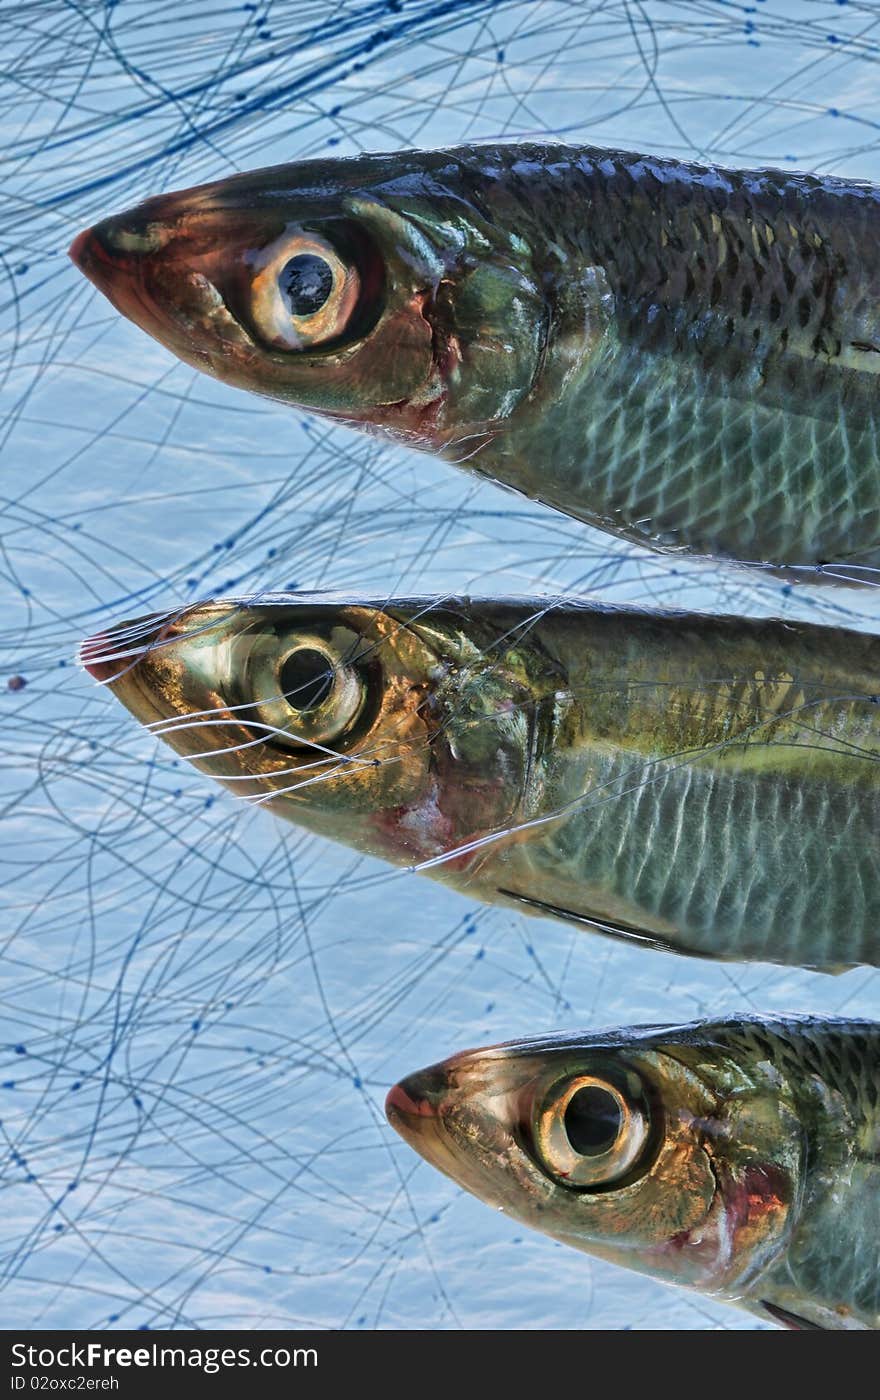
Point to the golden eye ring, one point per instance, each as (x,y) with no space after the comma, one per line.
(312,696)
(586,1132)
(303,294)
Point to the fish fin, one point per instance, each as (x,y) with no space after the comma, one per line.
(630,933)
(791,1320)
(627,932)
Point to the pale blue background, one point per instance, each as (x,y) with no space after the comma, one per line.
(202,1009)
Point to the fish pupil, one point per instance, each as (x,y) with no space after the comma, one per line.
(306,282)
(592,1121)
(306,679)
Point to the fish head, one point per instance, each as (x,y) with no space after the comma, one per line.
(669,1159)
(384,726)
(372,290)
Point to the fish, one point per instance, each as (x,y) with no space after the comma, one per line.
(706,785)
(684,356)
(738,1158)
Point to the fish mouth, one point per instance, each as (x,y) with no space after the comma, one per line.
(425,1109)
(95,657)
(141,666)
(109,250)
(417,1097)
(111,655)
(443,1114)
(82,251)
(117,255)
(413,1106)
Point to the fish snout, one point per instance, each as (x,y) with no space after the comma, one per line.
(110,249)
(81,250)
(412,1107)
(109,656)
(93,654)
(100,252)
(117,255)
(443,1114)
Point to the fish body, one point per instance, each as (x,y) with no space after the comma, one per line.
(685,356)
(707,785)
(740,1159)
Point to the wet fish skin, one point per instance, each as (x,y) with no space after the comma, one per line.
(709,785)
(685,356)
(746,1165)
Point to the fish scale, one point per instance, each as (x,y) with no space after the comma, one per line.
(738,867)
(731,478)
(686,438)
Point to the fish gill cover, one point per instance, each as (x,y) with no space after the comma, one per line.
(202,1009)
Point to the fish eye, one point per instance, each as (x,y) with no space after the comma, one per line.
(307,693)
(589,1132)
(306,281)
(592,1120)
(306,679)
(304,293)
